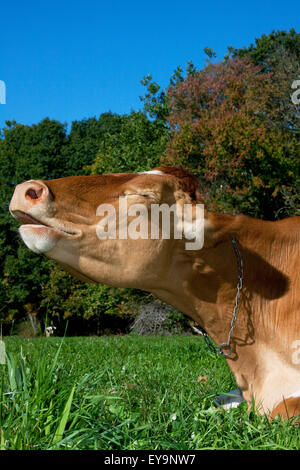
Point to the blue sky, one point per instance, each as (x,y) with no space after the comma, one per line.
(70,60)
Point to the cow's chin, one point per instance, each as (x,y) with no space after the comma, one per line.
(39,238)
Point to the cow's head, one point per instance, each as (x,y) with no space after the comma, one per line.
(61,218)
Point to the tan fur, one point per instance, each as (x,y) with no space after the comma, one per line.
(288,409)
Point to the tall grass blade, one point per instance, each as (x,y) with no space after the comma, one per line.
(62,425)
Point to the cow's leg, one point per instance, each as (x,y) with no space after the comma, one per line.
(231,399)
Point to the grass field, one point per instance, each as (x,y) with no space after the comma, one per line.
(125,393)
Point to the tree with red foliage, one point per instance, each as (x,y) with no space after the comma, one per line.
(225,126)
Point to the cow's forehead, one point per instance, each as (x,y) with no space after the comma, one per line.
(90,187)
(81,184)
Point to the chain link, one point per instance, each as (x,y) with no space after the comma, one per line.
(219,349)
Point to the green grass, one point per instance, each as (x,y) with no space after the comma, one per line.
(124,393)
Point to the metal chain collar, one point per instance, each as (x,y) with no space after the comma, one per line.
(219,349)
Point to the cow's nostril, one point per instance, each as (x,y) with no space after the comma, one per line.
(32,193)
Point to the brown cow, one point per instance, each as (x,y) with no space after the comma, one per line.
(60,218)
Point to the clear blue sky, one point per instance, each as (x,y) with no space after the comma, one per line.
(70,60)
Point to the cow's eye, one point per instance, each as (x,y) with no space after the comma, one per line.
(144,194)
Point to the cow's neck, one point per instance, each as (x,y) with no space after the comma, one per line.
(204,288)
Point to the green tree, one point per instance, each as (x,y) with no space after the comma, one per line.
(279,54)
(31,284)
(90,307)
(137,146)
(84,140)
(270,46)
(26,152)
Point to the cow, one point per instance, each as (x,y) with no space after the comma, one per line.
(241,286)
(49,331)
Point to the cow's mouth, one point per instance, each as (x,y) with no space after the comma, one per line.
(27,219)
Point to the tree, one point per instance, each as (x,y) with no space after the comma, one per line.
(278,53)
(84,140)
(31,285)
(224,127)
(137,146)
(26,152)
(87,308)
(269,47)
